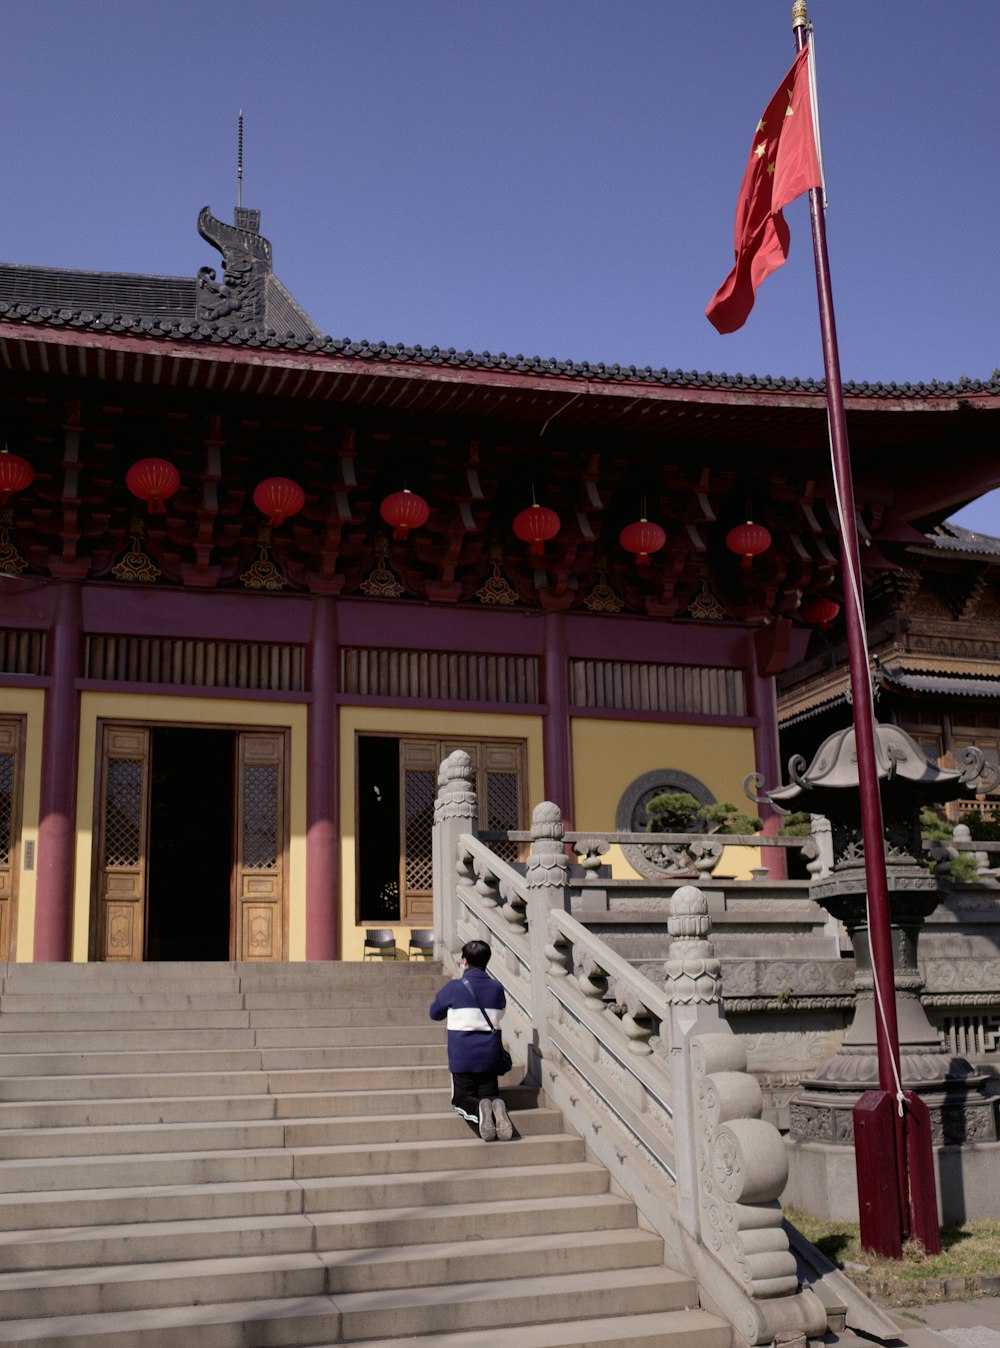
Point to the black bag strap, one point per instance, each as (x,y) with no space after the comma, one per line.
(494,1028)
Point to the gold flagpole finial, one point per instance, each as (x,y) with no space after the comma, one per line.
(799,17)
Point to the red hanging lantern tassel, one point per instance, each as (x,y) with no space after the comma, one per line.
(821,612)
(643,538)
(404,510)
(536,526)
(749,541)
(16,473)
(153,481)
(278,498)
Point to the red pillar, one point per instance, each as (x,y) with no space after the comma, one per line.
(767,755)
(60,749)
(555,727)
(322,794)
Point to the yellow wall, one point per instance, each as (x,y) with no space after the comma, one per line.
(399,721)
(147,707)
(609,755)
(30,703)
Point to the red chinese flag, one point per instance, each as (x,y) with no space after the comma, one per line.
(783,164)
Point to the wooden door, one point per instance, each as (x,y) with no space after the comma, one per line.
(498,768)
(11,778)
(418,766)
(261,847)
(123,834)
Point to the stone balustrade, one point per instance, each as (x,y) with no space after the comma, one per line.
(649,1074)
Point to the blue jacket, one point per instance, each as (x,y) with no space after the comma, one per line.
(472,1046)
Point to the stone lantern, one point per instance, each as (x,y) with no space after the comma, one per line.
(820,1114)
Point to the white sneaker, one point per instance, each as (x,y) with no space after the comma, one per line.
(487,1128)
(503,1127)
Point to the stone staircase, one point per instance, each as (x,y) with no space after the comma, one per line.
(206,1155)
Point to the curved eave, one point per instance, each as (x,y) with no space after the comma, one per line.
(531,401)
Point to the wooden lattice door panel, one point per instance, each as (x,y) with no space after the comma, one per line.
(123,833)
(498,768)
(11,777)
(418,766)
(261,846)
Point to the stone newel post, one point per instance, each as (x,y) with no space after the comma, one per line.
(693,984)
(455,813)
(546,880)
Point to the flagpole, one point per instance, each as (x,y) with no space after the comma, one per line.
(893,1100)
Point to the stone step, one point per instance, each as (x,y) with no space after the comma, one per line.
(280,1162)
(413,995)
(135,1050)
(666,1329)
(344,1017)
(123,1287)
(140,1109)
(160,1080)
(315,1322)
(513,1180)
(223,1029)
(275,1197)
(109,1003)
(13,1022)
(231,1237)
(132,1138)
(446,1308)
(149,1013)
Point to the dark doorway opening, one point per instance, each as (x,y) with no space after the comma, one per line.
(189,896)
(378,828)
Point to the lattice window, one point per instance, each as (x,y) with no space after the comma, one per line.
(418,812)
(260,816)
(6,807)
(502,809)
(123,813)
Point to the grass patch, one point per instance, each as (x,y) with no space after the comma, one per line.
(970,1252)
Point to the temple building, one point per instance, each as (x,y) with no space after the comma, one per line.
(255,583)
(932,630)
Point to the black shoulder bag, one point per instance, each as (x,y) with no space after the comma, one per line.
(504,1061)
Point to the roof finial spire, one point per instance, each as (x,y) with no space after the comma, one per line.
(239,165)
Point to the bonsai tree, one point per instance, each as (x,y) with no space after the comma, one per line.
(934,828)
(680,812)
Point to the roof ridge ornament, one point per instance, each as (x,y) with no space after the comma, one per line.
(246,265)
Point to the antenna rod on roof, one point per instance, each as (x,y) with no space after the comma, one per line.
(239,165)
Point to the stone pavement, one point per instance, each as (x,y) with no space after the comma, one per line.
(951,1324)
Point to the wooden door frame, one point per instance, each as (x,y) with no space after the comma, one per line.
(521,741)
(236,729)
(18,723)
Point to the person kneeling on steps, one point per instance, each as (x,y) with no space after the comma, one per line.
(473,1005)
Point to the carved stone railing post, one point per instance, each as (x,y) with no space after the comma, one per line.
(693,984)
(547,886)
(731,1164)
(455,813)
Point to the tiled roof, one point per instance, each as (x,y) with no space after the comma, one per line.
(949,537)
(955,685)
(164,307)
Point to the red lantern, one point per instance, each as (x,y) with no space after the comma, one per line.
(278,498)
(749,540)
(153,481)
(404,510)
(536,526)
(821,611)
(16,473)
(642,538)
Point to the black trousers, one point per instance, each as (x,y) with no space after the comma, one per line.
(468,1088)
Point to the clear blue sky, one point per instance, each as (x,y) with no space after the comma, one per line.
(551,177)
